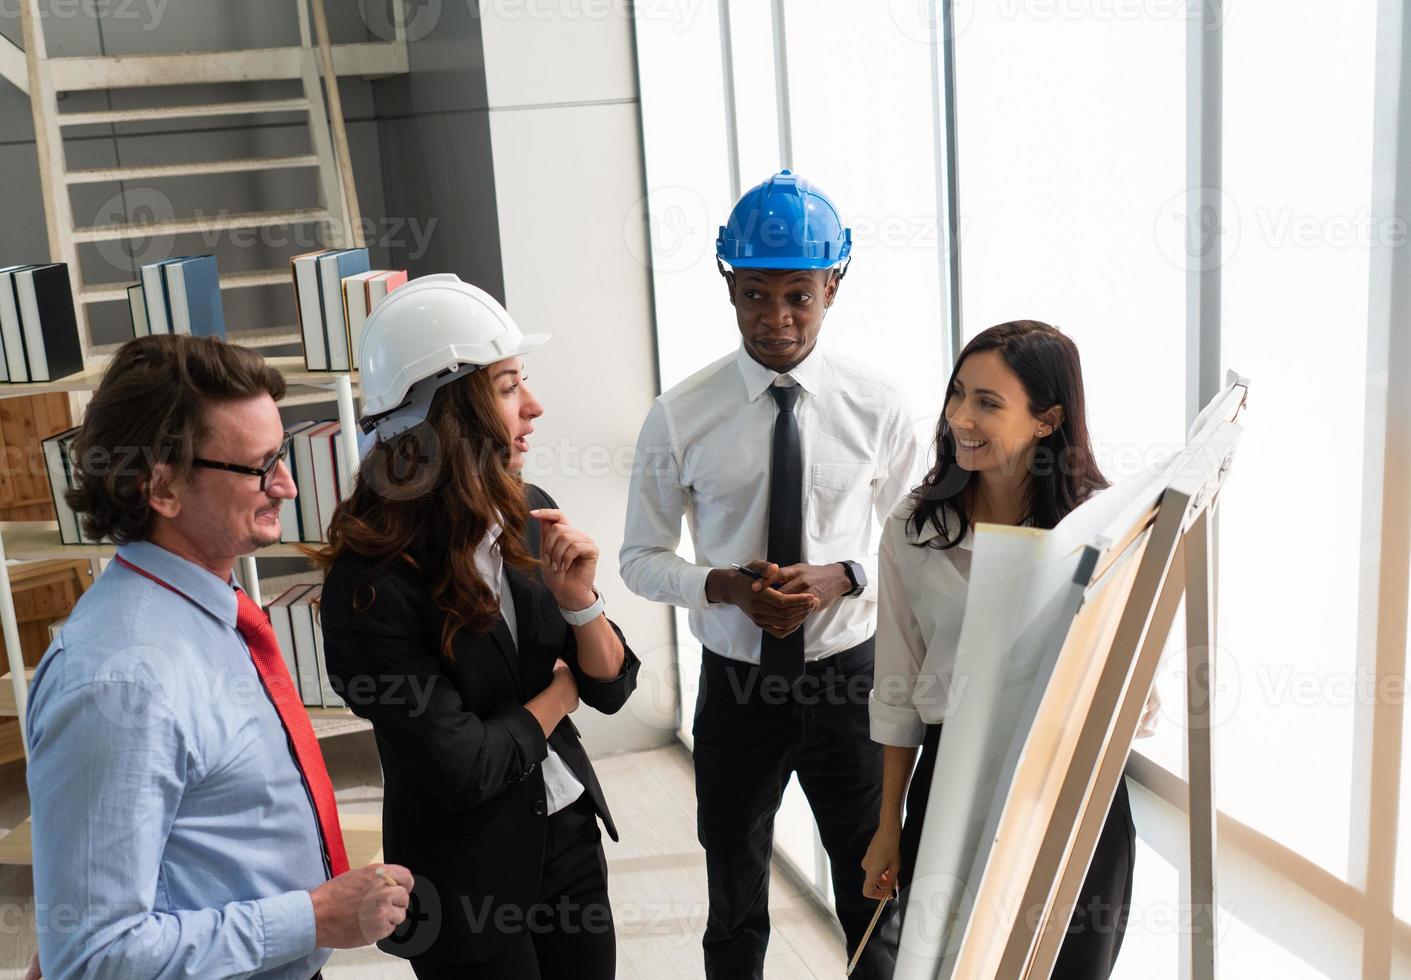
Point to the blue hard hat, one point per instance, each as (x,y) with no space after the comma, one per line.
(784,223)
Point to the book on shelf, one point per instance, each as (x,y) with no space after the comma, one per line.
(48,333)
(154,297)
(278,612)
(356,308)
(301,615)
(179,295)
(380,285)
(333,268)
(361,294)
(137,309)
(326,485)
(10,330)
(291,518)
(193,296)
(302,453)
(327,695)
(318,294)
(58,465)
(318,469)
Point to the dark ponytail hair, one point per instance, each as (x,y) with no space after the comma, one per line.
(1064,471)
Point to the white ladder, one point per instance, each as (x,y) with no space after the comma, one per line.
(336,211)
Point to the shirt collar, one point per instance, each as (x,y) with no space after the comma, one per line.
(928,531)
(808,373)
(188,578)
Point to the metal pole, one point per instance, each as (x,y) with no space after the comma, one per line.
(348,419)
(250,578)
(947,174)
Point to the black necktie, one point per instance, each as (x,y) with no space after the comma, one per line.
(785,656)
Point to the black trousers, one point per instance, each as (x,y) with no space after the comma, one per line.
(569,934)
(1099,918)
(750,737)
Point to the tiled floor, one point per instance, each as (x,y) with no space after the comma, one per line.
(656,876)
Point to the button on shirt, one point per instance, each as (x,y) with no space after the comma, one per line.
(561,787)
(704,453)
(173,834)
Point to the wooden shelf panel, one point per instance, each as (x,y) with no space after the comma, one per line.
(7,693)
(292,367)
(362,836)
(17,847)
(39,540)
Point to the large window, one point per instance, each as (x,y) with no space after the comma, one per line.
(1298,172)
(1074,129)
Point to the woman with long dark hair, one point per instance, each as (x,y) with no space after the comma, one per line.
(459,617)
(1012,447)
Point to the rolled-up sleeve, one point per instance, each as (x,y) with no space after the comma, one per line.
(656,503)
(109,765)
(901,650)
(606,696)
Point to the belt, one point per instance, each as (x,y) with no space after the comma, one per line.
(844,660)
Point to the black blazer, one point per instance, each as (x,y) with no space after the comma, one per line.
(464,805)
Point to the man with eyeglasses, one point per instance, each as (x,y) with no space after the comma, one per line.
(184,823)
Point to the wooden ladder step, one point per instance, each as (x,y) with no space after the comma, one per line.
(198,168)
(212,222)
(183,111)
(111,292)
(266,337)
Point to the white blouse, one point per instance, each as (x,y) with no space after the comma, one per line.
(920,606)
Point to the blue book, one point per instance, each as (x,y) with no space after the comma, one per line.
(333,268)
(193,296)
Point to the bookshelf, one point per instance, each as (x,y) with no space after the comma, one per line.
(28,541)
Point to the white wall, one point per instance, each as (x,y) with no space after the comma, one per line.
(566,145)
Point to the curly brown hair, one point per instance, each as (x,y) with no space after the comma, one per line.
(152,407)
(427,497)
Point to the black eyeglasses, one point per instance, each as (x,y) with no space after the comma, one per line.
(262,472)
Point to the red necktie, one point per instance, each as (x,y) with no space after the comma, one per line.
(252,623)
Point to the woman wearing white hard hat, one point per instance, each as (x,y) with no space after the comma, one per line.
(459,616)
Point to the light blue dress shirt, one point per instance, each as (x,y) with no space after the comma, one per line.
(173,835)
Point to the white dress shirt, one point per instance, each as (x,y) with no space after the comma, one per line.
(704,453)
(560,785)
(918,627)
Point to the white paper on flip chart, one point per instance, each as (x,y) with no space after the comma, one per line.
(1021,600)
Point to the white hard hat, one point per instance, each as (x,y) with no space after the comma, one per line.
(416,340)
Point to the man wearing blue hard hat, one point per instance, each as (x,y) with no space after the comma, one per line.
(784,458)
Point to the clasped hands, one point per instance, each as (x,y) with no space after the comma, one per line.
(781,598)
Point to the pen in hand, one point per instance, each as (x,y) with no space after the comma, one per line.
(751,573)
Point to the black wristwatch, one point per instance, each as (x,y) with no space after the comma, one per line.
(856,576)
